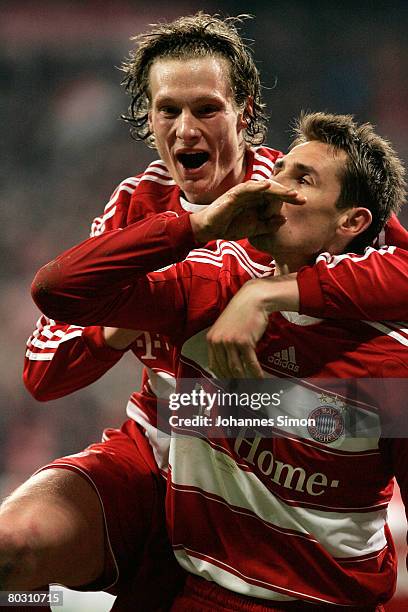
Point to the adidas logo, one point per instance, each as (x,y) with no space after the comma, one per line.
(285,359)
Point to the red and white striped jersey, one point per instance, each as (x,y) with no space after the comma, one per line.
(288,517)
(291,516)
(61,359)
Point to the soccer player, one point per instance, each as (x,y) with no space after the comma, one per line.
(216,136)
(98,513)
(262,523)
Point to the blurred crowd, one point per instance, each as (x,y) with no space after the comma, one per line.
(64,149)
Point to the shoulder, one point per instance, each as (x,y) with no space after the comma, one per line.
(157,174)
(156,192)
(115,212)
(263,161)
(226,261)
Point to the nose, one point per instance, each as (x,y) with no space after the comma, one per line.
(187,129)
(283,179)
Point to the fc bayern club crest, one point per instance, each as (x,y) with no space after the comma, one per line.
(328,424)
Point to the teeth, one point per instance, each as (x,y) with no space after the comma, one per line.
(193,160)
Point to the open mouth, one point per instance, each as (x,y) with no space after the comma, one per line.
(193,160)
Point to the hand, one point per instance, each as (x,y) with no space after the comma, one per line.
(248,209)
(233,338)
(120,339)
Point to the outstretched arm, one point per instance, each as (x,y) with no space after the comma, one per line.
(103,280)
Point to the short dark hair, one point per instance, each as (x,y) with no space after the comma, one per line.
(198,35)
(373,175)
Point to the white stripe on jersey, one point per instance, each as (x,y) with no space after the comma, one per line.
(55,343)
(193,562)
(123,186)
(158,170)
(158,163)
(217,264)
(262,168)
(216,258)
(155,179)
(43,337)
(389,332)
(344,534)
(334,260)
(258,177)
(39,356)
(263,159)
(159,441)
(98,224)
(253,263)
(42,332)
(61,334)
(398,325)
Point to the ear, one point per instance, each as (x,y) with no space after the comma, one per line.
(246,114)
(353,222)
(149,119)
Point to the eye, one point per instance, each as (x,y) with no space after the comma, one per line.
(304,180)
(207,110)
(169,111)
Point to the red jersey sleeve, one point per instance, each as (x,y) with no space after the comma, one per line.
(372,286)
(103,280)
(63,358)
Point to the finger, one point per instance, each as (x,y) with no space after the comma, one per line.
(250,188)
(276,188)
(255,186)
(291,196)
(245,195)
(235,364)
(218,361)
(252,365)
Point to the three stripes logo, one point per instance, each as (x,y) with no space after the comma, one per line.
(285,359)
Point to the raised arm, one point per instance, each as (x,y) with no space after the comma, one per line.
(104,280)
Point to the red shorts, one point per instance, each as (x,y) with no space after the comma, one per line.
(140,566)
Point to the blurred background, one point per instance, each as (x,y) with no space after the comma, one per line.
(64,149)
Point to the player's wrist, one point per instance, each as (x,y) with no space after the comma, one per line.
(119,339)
(200,228)
(277,293)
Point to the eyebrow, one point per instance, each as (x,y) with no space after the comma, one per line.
(209,98)
(280,163)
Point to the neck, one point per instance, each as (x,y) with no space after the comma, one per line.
(285,264)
